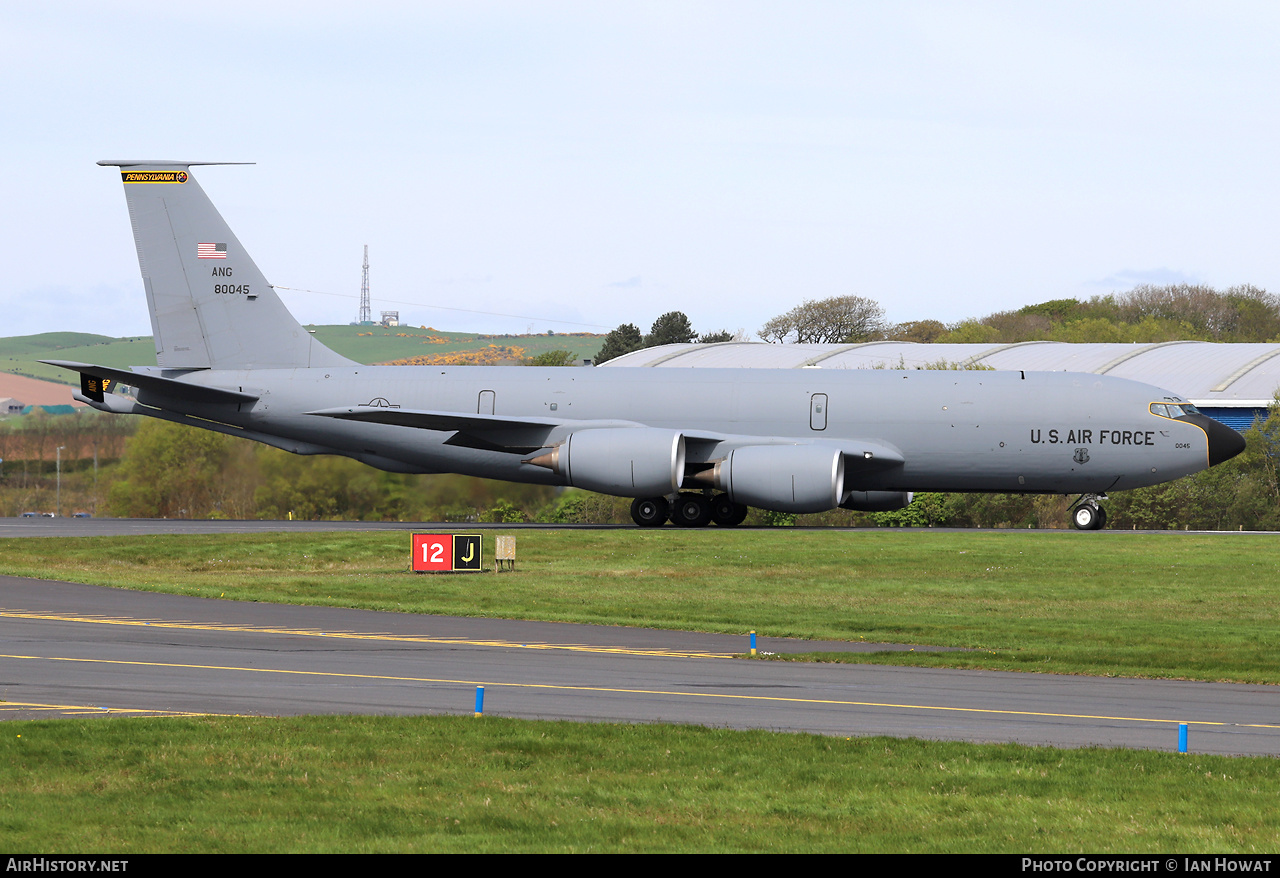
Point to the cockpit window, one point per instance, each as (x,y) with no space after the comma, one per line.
(1170,410)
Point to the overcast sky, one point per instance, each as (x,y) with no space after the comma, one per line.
(577,165)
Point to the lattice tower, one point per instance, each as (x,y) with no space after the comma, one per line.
(366,313)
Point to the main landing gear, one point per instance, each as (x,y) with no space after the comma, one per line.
(649,511)
(1088,514)
(688,509)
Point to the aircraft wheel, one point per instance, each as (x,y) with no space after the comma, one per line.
(726,513)
(691,510)
(1087,517)
(649,511)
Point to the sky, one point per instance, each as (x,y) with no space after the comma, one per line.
(571,166)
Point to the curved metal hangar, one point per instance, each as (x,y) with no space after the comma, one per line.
(1231,383)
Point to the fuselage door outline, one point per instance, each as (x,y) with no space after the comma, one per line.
(818,411)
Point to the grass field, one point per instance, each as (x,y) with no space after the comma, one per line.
(21,354)
(460,784)
(1175,605)
(1202,607)
(364,344)
(378,344)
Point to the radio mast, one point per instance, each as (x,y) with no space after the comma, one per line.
(366,313)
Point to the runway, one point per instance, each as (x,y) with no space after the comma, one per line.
(121,527)
(70,649)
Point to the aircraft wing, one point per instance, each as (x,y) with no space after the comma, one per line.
(96,380)
(526,434)
(489,432)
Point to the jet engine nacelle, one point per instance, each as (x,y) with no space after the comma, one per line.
(624,461)
(785,478)
(877,501)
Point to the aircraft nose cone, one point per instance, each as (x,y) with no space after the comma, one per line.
(1224,442)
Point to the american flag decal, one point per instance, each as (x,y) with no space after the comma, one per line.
(211,251)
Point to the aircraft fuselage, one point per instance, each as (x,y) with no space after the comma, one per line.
(955,430)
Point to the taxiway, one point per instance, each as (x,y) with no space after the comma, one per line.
(70,649)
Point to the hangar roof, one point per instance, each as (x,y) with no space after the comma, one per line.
(1207,373)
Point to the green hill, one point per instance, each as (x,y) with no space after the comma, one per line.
(364,344)
(21,354)
(47,341)
(382,344)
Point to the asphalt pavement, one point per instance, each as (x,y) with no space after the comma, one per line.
(72,649)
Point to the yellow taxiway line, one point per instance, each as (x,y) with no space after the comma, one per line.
(717,695)
(354,635)
(88,710)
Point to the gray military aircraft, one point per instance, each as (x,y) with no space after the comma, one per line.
(693,447)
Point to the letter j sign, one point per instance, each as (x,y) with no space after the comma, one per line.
(446,553)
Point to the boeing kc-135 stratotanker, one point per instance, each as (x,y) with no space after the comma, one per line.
(690,446)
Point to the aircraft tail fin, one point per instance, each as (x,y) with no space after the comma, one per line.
(211,308)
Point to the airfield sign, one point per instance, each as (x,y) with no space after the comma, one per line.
(446,553)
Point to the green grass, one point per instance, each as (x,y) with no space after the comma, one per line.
(1204,607)
(47,341)
(1159,605)
(428,784)
(364,344)
(21,354)
(381,344)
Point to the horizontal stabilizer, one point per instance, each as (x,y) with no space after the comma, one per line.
(155,383)
(160,163)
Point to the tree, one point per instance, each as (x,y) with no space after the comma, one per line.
(671,328)
(623,340)
(827,321)
(1145,313)
(971,332)
(1259,313)
(716,337)
(552,358)
(923,331)
(1056,310)
(1199,306)
(176,471)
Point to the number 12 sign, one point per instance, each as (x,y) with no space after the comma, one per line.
(446,553)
